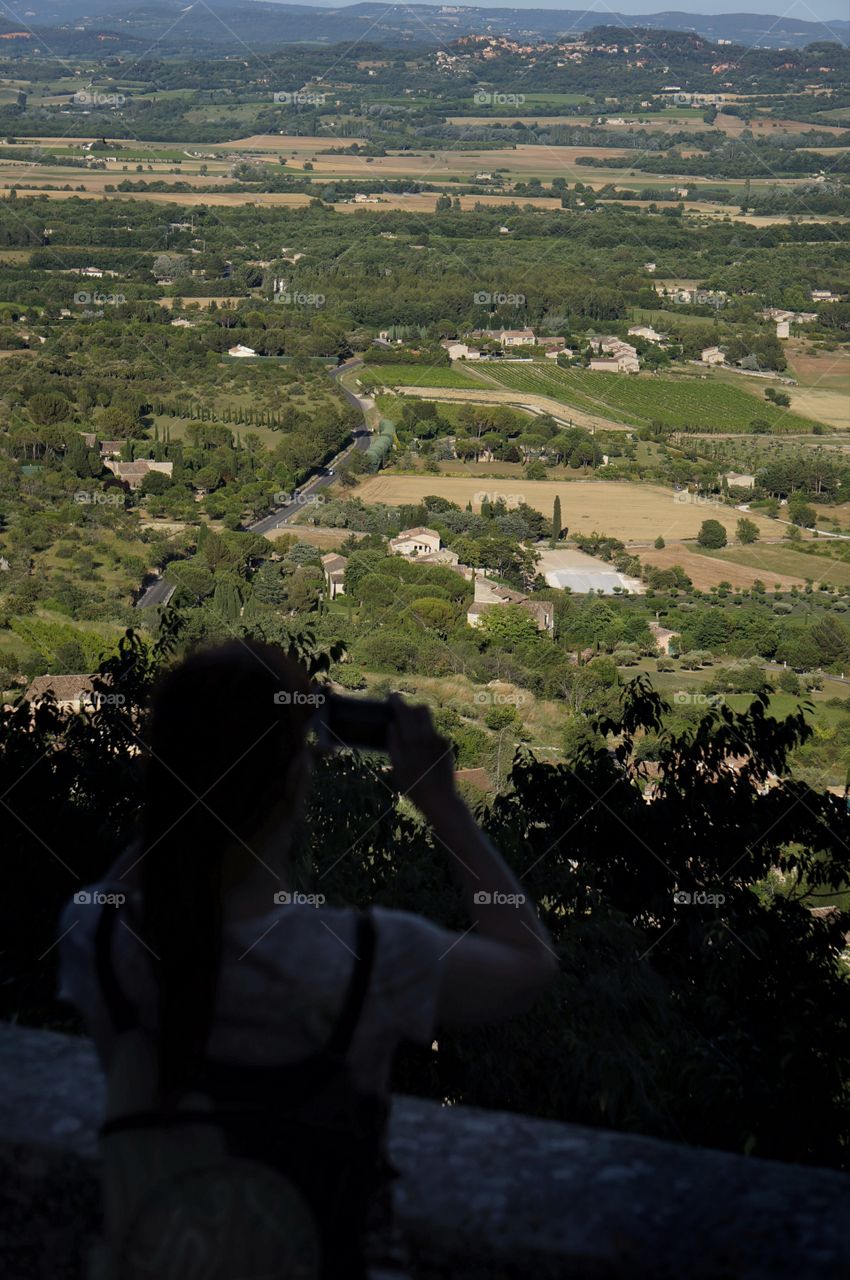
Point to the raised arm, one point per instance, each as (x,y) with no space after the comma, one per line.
(505,959)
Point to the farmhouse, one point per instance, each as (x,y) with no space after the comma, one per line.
(740,480)
(625,361)
(460,350)
(333,567)
(415,542)
(72,693)
(240,352)
(552,346)
(133,473)
(646,332)
(824,295)
(489,595)
(517,338)
(712,355)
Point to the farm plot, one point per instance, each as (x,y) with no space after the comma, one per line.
(637,513)
(682,403)
(415,375)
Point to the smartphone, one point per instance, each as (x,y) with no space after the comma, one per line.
(361,723)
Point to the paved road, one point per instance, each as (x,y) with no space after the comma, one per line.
(159,592)
(287,511)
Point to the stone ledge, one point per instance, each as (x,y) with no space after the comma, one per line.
(481,1194)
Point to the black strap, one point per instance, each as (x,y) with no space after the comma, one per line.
(358,987)
(122,1011)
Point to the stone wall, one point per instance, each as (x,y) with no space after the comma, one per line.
(481,1194)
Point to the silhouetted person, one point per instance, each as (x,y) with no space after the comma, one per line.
(285,1014)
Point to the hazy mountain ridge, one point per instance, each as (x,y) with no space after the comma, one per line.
(70,24)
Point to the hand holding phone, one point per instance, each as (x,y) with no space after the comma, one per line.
(423,761)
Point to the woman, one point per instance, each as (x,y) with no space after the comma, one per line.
(286,1013)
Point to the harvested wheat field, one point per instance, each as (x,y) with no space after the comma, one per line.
(632,512)
(705,572)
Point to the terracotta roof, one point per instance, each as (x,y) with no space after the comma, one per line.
(63,688)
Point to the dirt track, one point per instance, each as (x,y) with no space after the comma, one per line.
(517,398)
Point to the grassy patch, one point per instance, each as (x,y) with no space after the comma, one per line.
(679,402)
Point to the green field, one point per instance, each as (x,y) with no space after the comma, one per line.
(682,403)
(781,559)
(415,375)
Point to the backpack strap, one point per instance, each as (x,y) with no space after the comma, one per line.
(358,988)
(121,1009)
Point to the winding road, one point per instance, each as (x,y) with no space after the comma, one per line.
(159,592)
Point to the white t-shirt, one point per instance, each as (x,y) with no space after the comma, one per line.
(282,981)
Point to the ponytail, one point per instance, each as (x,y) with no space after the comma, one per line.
(221,743)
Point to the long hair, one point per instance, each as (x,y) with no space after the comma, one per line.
(224,730)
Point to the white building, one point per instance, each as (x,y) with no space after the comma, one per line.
(712,355)
(517,338)
(415,542)
(488,595)
(460,350)
(615,364)
(646,332)
(240,352)
(333,567)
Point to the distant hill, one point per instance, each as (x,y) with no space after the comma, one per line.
(173,23)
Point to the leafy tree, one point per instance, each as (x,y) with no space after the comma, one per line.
(747,531)
(712,534)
